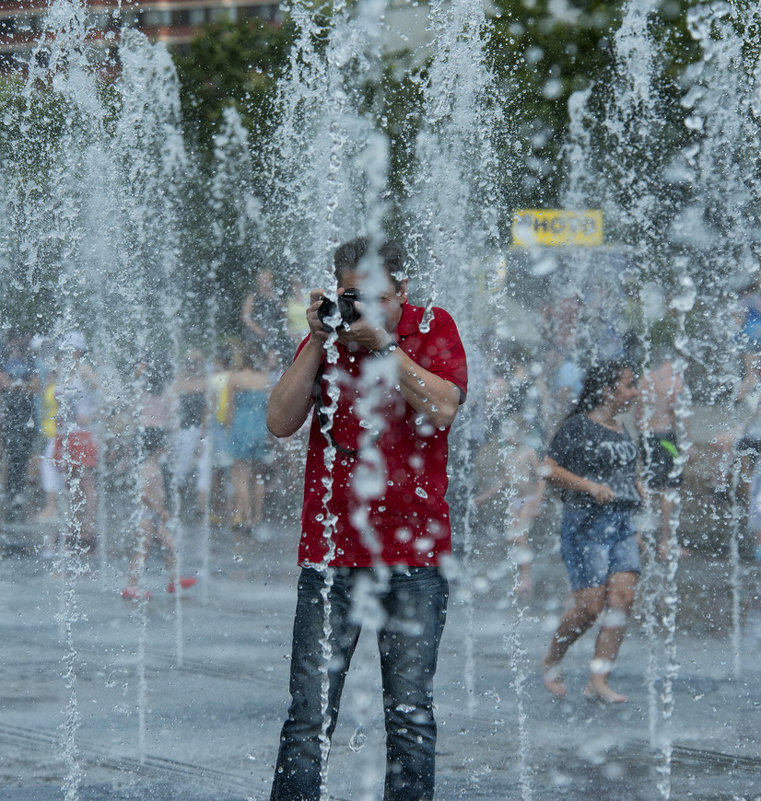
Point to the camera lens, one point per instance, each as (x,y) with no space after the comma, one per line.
(327,309)
(347,310)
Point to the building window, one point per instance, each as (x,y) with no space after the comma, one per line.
(157,19)
(222,14)
(7,26)
(99,19)
(197,16)
(127,18)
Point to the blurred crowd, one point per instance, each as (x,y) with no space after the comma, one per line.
(199,419)
(530,388)
(201,424)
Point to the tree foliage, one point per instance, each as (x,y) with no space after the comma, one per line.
(545,50)
(233,63)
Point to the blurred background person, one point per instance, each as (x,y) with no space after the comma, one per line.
(296,323)
(50,476)
(220,497)
(509,491)
(249,386)
(592,460)
(660,388)
(153,520)
(190,459)
(76,452)
(263,318)
(19,383)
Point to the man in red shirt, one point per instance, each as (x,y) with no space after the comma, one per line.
(374,516)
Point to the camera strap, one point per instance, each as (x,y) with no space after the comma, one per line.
(325,422)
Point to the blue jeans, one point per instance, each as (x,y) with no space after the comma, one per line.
(414,602)
(596,542)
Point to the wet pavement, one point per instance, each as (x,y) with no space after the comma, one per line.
(187,701)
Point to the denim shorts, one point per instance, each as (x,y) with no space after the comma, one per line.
(597,542)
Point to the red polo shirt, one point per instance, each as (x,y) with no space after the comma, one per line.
(410,521)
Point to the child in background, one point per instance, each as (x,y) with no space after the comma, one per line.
(509,494)
(153,519)
(247,411)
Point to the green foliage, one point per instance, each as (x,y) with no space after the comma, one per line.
(540,58)
(540,50)
(543,51)
(396,105)
(235,63)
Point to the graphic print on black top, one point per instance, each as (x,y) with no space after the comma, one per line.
(599,454)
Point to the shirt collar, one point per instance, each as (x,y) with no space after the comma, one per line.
(409,322)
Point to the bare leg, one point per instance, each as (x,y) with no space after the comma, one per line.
(81,485)
(523,559)
(241,502)
(91,503)
(164,536)
(620,597)
(219,501)
(257,497)
(202,499)
(588,605)
(667,507)
(50,510)
(136,566)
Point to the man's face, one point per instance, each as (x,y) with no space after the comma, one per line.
(387,295)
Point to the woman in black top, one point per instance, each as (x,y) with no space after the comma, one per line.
(593,462)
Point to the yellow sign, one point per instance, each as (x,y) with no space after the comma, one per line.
(552,227)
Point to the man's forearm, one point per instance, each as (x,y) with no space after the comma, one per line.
(433,396)
(291,399)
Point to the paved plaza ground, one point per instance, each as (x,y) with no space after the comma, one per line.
(212,671)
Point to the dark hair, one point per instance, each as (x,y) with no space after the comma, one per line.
(154,439)
(348,256)
(599,377)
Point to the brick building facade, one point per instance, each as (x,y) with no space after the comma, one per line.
(174,22)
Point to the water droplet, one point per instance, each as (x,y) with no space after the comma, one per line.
(358,739)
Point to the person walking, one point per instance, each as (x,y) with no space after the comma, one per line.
(592,460)
(154,517)
(75,452)
(19,382)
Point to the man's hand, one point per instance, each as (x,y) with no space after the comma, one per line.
(315,324)
(361,332)
(292,397)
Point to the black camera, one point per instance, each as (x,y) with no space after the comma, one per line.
(346,308)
